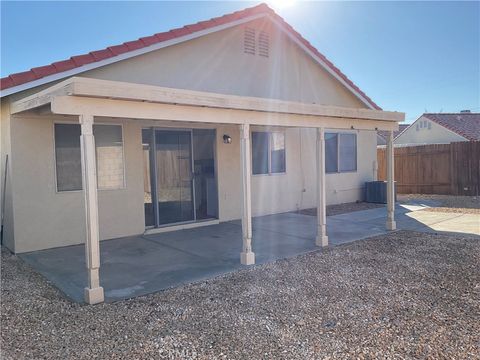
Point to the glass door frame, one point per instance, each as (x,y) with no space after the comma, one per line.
(154,172)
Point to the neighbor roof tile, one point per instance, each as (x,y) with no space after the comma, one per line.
(464,124)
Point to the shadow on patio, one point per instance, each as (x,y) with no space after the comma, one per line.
(144,264)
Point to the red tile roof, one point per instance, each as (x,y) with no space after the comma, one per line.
(112,51)
(464,124)
(384,133)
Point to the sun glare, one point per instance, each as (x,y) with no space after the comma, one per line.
(282,4)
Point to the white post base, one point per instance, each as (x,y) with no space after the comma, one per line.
(391,225)
(94,296)
(247,258)
(321,240)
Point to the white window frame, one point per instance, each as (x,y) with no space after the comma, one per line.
(71,122)
(338,152)
(269,173)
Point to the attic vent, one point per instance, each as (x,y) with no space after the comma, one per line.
(263,44)
(249,41)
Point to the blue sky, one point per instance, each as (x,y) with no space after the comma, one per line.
(407,56)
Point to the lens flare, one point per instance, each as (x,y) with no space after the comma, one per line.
(282,4)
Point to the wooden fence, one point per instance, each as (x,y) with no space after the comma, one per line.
(450,169)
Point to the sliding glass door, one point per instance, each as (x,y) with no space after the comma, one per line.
(171,186)
(173,153)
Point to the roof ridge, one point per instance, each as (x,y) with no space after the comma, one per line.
(453,113)
(80,60)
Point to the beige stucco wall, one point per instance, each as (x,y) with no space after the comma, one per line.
(436,134)
(217,63)
(7,198)
(45,218)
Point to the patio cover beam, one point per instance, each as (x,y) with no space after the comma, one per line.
(76,105)
(87,87)
(120,99)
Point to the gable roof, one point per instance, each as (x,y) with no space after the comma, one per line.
(80,63)
(384,134)
(464,124)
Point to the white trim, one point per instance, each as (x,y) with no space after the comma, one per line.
(324,65)
(126,55)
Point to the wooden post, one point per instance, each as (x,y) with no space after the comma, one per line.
(247,257)
(94,292)
(391,224)
(322,238)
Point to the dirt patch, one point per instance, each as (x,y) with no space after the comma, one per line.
(343,208)
(406,295)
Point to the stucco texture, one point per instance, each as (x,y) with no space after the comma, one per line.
(45,218)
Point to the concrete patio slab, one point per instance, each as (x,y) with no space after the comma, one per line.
(144,264)
(465,223)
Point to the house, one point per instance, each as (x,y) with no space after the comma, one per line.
(441,128)
(383,135)
(229,118)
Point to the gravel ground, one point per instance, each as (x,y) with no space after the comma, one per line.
(402,296)
(343,208)
(447,203)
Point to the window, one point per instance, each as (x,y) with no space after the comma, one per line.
(340,152)
(347,158)
(109,151)
(67,156)
(331,153)
(109,154)
(268,153)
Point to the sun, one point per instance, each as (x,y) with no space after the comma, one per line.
(282,4)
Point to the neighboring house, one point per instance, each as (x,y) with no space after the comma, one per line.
(441,128)
(224,119)
(382,135)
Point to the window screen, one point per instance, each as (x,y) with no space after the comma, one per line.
(331,153)
(109,154)
(67,156)
(260,153)
(348,152)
